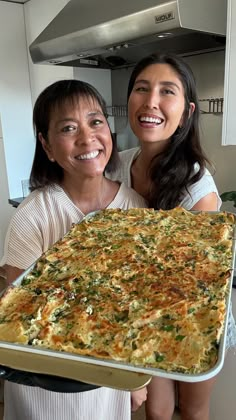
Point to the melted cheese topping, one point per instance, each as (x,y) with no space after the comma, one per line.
(136,286)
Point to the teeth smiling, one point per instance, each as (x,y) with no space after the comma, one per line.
(151,120)
(91,155)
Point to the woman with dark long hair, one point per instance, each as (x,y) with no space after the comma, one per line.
(169,170)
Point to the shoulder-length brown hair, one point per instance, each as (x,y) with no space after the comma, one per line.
(45,172)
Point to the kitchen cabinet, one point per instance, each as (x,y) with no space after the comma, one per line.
(229,121)
(15,96)
(16,134)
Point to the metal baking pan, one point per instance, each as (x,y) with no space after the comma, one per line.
(102,372)
(88,370)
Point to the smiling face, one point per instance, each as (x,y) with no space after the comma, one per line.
(156,104)
(79,138)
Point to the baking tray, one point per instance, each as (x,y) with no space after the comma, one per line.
(85,369)
(103,372)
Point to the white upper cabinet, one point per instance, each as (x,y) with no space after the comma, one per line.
(229,119)
(15,97)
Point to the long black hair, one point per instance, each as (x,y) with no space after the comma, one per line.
(45,172)
(183,162)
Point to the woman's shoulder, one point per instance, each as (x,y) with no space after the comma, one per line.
(23,243)
(39,206)
(128,198)
(204,186)
(129,155)
(122,172)
(206,178)
(40,220)
(38,198)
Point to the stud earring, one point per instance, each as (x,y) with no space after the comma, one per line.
(52,160)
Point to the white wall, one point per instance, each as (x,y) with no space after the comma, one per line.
(209,73)
(15,98)
(38,14)
(6,211)
(15,110)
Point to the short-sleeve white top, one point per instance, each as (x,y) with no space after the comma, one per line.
(196,191)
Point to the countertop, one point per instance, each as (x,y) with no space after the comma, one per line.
(15,201)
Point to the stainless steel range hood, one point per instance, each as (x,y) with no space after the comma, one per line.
(117,33)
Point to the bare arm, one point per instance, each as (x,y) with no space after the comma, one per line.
(12,273)
(207,203)
(137,398)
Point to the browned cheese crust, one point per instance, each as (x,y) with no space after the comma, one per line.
(137,286)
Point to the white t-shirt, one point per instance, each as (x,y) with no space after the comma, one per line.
(200,189)
(41,219)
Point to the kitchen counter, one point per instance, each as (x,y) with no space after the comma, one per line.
(15,201)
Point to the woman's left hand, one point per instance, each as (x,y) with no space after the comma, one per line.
(137,398)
